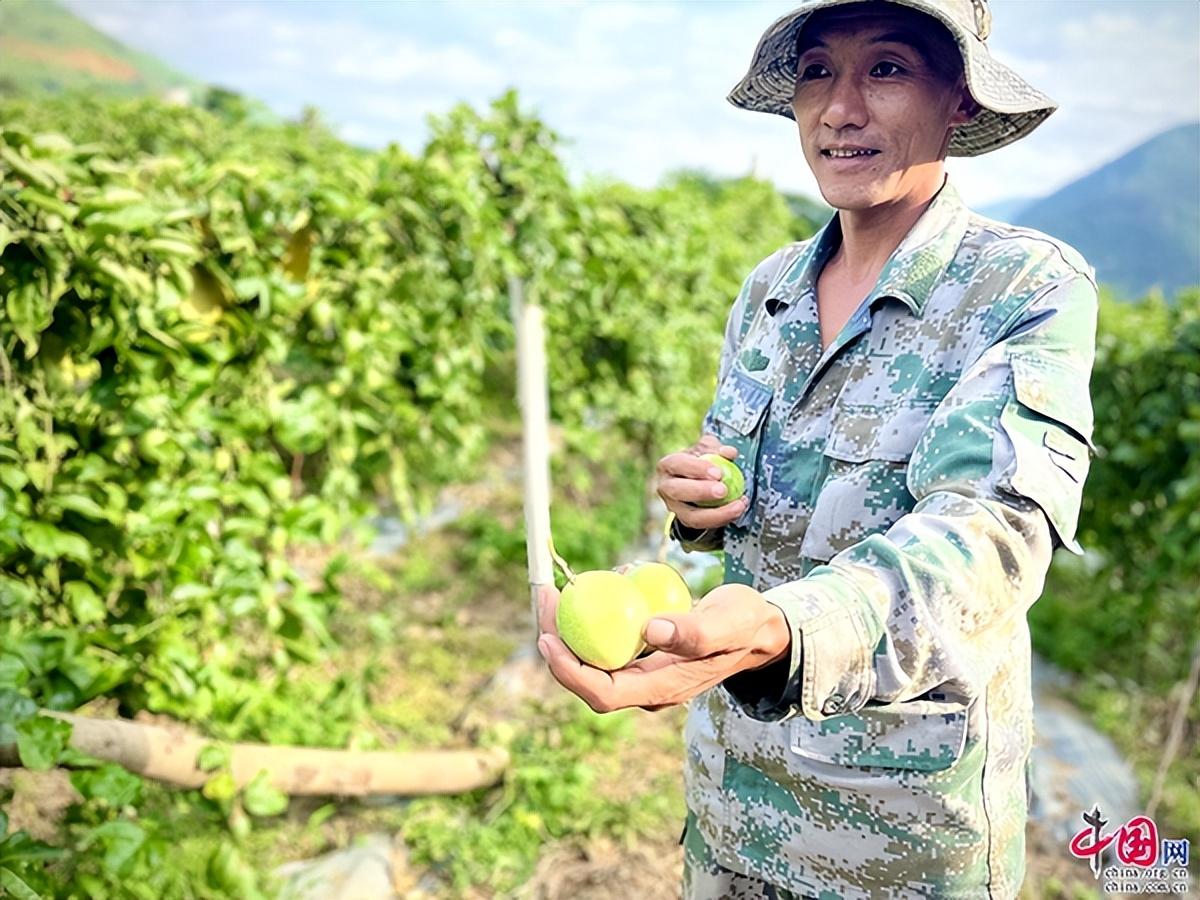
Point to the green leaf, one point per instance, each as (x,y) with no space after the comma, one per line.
(83,505)
(13,477)
(212,757)
(108,783)
(30,170)
(261,798)
(111,198)
(46,202)
(172,247)
(46,540)
(121,839)
(303,425)
(85,603)
(220,788)
(15,593)
(229,872)
(20,848)
(12,674)
(136,282)
(41,740)
(11,883)
(14,709)
(136,217)
(94,675)
(30,312)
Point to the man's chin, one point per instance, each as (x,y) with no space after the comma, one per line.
(849,198)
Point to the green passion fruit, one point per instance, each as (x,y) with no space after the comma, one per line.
(600,616)
(731,477)
(665,590)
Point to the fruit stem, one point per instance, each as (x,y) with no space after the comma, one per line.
(665,543)
(562,563)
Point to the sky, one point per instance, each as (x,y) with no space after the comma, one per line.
(636,89)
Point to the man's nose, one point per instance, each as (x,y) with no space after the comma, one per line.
(846,105)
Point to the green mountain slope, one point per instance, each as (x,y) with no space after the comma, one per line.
(1136,219)
(44,47)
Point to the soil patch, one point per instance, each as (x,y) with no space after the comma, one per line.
(81,60)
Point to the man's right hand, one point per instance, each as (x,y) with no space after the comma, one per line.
(684,479)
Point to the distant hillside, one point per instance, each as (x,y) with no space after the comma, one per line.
(44,47)
(1136,219)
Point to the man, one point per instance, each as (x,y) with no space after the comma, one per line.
(907,395)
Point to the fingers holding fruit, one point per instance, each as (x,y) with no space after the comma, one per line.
(601,619)
(710,443)
(601,614)
(547,609)
(732,481)
(703,486)
(595,626)
(732,629)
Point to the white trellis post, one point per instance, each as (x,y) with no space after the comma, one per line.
(533,397)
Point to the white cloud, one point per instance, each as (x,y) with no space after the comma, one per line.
(286,57)
(407,62)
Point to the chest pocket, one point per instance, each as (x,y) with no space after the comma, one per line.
(864,488)
(737,417)
(861,432)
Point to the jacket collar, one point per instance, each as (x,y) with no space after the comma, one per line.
(911,272)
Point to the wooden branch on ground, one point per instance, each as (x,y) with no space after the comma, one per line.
(169,755)
(1187,690)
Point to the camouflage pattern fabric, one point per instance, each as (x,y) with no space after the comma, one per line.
(907,487)
(706,879)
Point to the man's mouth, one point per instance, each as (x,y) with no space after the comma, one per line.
(847,154)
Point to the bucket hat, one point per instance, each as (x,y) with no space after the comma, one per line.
(1010,106)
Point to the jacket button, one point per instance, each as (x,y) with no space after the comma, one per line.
(834,704)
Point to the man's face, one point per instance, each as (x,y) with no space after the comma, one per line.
(876,76)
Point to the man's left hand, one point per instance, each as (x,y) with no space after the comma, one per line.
(732,629)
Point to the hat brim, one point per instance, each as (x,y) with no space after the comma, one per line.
(1010,107)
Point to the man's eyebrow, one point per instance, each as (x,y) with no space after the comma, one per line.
(907,38)
(901,37)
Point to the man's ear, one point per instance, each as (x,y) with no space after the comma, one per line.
(967,109)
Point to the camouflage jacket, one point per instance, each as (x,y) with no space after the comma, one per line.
(907,487)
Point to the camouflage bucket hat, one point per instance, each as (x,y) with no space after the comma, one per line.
(1011,107)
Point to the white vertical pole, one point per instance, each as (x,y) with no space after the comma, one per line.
(533,397)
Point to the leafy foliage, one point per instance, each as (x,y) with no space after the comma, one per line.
(1134,600)
(223,338)
(1127,616)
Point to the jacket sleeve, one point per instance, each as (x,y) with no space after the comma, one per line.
(997,475)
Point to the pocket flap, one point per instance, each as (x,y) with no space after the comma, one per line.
(1049,467)
(741,401)
(922,735)
(1052,387)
